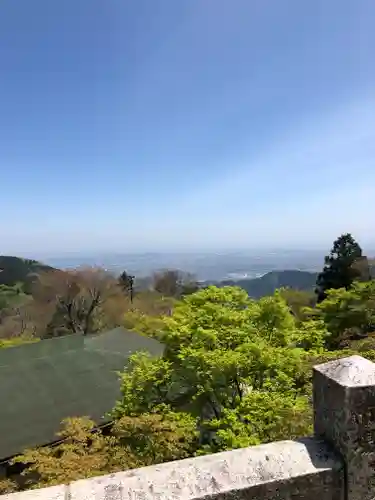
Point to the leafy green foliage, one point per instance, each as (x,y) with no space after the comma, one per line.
(224,351)
(85,451)
(262,417)
(340,268)
(155,437)
(16,341)
(145,312)
(7,486)
(349,313)
(81,454)
(11,296)
(298,300)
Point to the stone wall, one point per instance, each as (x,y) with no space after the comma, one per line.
(337,463)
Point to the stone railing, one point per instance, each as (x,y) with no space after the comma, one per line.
(337,463)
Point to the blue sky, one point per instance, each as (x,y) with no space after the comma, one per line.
(189,124)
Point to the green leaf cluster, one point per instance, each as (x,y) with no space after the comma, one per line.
(86,451)
(349,313)
(227,358)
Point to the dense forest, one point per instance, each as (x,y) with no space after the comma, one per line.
(236,370)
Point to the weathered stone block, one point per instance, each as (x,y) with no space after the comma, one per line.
(282,470)
(344,416)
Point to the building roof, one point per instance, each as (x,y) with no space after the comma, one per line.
(45,382)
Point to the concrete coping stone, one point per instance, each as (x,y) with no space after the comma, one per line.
(353,371)
(199,477)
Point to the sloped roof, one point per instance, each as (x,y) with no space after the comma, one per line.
(42,383)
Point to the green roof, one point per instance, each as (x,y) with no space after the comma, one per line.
(42,383)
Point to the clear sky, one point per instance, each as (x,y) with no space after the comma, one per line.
(185,124)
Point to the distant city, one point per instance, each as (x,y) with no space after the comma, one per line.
(205,266)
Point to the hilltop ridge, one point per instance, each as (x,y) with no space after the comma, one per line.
(17,270)
(271,281)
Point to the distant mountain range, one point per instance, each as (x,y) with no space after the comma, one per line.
(269,282)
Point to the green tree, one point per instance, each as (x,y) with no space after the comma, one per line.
(339,270)
(262,417)
(126,282)
(298,300)
(85,451)
(159,436)
(349,313)
(223,350)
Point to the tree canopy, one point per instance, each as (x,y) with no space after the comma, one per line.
(349,313)
(86,451)
(224,351)
(174,283)
(340,269)
(126,282)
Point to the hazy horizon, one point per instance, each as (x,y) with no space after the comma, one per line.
(204,265)
(368,249)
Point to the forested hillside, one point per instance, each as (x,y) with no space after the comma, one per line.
(15,270)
